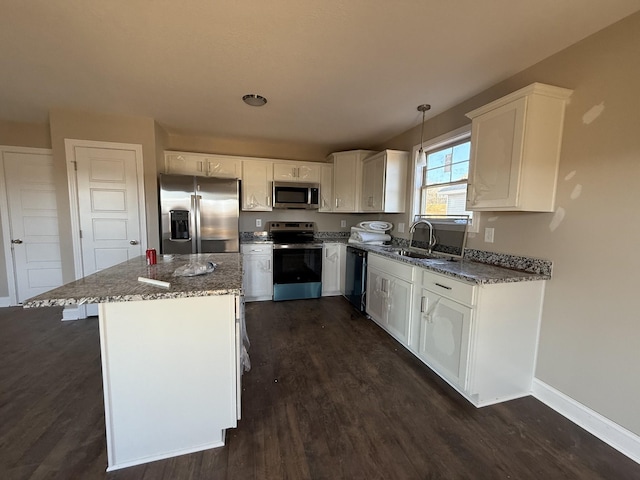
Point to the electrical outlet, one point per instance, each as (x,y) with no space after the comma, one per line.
(488,235)
(343,223)
(401,228)
(258,222)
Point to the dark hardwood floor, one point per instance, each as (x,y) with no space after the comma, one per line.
(330,396)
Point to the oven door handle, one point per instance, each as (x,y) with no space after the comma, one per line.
(299,246)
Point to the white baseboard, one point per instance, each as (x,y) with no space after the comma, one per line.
(5,302)
(611,433)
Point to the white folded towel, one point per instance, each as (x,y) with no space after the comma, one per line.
(367,237)
(376,226)
(353,240)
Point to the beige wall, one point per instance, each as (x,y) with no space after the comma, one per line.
(245,147)
(590,338)
(82,125)
(18,134)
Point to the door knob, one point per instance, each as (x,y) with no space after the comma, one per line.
(133,242)
(17,241)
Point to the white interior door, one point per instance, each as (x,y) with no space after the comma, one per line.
(110,199)
(33,221)
(108,207)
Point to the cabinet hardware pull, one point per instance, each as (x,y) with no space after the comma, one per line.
(442,286)
(422,304)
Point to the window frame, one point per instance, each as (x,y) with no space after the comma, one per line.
(458,135)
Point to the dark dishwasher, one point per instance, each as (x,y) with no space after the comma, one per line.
(356,277)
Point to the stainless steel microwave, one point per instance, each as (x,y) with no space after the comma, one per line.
(296,195)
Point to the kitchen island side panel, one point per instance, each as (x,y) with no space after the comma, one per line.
(169,375)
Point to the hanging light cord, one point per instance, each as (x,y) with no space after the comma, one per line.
(422,108)
(422,133)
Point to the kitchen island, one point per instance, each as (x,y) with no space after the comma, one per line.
(171,356)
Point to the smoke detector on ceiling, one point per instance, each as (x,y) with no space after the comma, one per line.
(254,100)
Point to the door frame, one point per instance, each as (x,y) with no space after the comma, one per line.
(12,299)
(70,151)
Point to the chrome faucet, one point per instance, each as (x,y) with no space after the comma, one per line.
(432,239)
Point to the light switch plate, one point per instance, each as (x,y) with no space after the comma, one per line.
(488,234)
(401,228)
(343,223)
(258,222)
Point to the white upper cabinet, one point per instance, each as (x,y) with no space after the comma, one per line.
(296,172)
(347,179)
(326,188)
(211,165)
(224,166)
(256,189)
(515,150)
(384,182)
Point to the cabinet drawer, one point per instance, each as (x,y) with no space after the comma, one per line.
(397,269)
(256,249)
(456,290)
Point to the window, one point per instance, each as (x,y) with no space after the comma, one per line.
(441,181)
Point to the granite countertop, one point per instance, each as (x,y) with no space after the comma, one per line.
(120,282)
(466,270)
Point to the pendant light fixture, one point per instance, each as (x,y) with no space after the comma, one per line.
(422,156)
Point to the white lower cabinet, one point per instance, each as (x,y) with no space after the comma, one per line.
(331,268)
(443,338)
(343,266)
(481,339)
(257,278)
(389,295)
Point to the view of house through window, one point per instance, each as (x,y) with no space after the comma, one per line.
(442,180)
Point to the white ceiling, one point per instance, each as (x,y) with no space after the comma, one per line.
(336,73)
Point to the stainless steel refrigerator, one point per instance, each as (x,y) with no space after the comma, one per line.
(198,214)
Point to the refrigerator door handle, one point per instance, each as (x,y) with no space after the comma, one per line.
(196,208)
(193,229)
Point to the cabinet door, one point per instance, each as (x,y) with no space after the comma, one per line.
(373,177)
(183,164)
(308,173)
(326,188)
(398,308)
(258,277)
(444,337)
(496,152)
(223,166)
(343,266)
(285,172)
(345,176)
(303,172)
(256,185)
(376,295)
(331,269)
(389,302)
